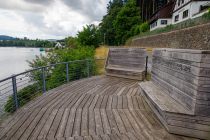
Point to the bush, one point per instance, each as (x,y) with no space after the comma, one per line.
(56,76)
(144,27)
(207,15)
(24,96)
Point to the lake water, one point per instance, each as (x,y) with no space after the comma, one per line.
(13,60)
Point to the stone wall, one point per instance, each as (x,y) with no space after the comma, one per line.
(197,37)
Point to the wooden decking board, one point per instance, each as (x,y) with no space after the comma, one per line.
(112,122)
(98,122)
(104,108)
(125,121)
(105,122)
(119,122)
(62,126)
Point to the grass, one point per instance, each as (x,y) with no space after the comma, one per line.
(101,53)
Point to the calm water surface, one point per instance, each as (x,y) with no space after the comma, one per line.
(14,60)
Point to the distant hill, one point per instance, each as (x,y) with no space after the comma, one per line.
(4,37)
(52,40)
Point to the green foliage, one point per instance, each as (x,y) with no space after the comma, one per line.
(107,29)
(27,43)
(57,75)
(89,36)
(126,21)
(207,15)
(24,95)
(142,28)
(71,42)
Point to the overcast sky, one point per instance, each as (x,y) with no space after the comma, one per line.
(48,19)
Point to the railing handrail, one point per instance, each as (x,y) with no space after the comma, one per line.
(39,68)
(22,87)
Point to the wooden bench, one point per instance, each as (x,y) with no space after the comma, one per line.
(179,92)
(126,62)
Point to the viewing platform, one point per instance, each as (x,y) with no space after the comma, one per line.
(120,105)
(97,108)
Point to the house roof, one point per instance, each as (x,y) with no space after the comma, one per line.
(165,12)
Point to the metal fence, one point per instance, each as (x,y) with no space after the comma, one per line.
(17,90)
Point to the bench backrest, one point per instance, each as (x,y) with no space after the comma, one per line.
(185,76)
(127,58)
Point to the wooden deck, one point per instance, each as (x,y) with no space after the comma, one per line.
(98,108)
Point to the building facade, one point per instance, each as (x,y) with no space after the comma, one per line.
(178,11)
(149,7)
(189,9)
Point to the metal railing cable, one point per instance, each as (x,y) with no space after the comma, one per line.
(17,90)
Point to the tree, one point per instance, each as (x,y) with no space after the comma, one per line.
(89,36)
(71,42)
(126,21)
(107,29)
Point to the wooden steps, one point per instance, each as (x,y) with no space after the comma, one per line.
(126,63)
(179,91)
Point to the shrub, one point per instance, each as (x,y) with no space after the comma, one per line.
(207,15)
(144,27)
(24,96)
(55,75)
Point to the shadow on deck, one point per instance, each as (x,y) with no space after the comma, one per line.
(99,108)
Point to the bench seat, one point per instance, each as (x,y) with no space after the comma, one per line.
(174,93)
(126,63)
(162,100)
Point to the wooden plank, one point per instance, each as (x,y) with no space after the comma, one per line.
(92,126)
(55,125)
(98,121)
(70,123)
(119,122)
(114,102)
(77,122)
(105,137)
(23,126)
(47,125)
(125,102)
(125,121)
(105,122)
(61,129)
(119,102)
(112,121)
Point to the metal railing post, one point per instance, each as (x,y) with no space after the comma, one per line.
(146,67)
(88,68)
(43,80)
(67,72)
(14,85)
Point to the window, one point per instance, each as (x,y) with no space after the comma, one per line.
(179,2)
(176,18)
(154,24)
(164,22)
(182,1)
(185,14)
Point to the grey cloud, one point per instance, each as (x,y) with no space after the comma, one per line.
(34,13)
(20,5)
(90,8)
(40,2)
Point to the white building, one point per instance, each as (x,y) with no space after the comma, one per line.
(162,17)
(178,11)
(59,45)
(189,9)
